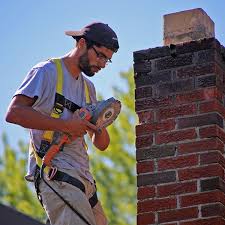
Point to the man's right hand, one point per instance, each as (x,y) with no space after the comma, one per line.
(78,127)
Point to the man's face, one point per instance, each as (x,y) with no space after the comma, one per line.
(85,66)
(94,59)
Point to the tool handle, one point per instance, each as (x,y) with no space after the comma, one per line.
(84,114)
(53,150)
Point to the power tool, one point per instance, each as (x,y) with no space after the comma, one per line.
(101,114)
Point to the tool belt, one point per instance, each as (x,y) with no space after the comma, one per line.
(63,177)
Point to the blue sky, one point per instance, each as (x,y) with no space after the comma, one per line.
(32,31)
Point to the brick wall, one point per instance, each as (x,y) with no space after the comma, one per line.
(180,136)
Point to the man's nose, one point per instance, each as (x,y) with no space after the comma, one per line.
(102,64)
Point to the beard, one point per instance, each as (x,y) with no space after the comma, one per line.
(85,66)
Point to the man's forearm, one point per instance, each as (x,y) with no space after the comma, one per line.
(29,118)
(101,140)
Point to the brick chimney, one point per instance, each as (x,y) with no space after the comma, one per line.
(180,136)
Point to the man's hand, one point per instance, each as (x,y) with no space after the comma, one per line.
(78,127)
(100,138)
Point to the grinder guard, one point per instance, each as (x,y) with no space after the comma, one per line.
(104,112)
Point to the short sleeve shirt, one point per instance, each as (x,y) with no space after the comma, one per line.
(40,82)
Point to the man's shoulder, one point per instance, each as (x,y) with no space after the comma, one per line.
(47,65)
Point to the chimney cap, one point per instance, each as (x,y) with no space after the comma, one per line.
(188,25)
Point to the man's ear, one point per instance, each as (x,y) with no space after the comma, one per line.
(81,44)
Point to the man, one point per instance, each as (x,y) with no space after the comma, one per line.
(67,191)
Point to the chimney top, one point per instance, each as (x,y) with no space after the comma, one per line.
(185,26)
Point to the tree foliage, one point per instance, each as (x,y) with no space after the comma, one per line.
(14,190)
(114,169)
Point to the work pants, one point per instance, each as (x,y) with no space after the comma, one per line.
(60,214)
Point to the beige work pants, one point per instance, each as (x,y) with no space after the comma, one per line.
(60,214)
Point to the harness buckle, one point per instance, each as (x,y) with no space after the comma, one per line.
(51,173)
(58,108)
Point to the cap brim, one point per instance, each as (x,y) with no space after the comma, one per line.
(74,33)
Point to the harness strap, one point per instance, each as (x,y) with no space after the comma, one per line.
(87,95)
(58,107)
(93,200)
(66,103)
(64,177)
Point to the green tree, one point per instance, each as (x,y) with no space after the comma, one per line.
(14,190)
(114,169)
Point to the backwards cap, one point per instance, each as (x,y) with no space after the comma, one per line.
(99,33)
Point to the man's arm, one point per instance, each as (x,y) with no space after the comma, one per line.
(100,139)
(20,112)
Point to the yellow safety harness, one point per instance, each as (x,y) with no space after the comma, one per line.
(60,102)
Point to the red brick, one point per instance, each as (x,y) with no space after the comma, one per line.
(144,167)
(152,78)
(165,89)
(200,120)
(171,112)
(201,146)
(146,192)
(151,53)
(206,56)
(176,189)
(165,125)
(212,106)
(195,46)
(206,81)
(212,157)
(209,221)
(153,103)
(170,62)
(146,218)
(196,70)
(197,95)
(213,210)
(155,152)
(213,183)
(202,198)
(200,172)
(142,67)
(220,72)
(212,131)
(143,92)
(177,162)
(175,136)
(156,178)
(170,224)
(156,205)
(144,141)
(145,116)
(178,215)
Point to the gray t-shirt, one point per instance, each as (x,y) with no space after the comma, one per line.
(41,82)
